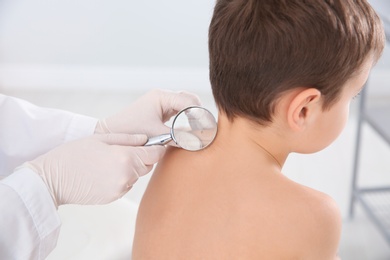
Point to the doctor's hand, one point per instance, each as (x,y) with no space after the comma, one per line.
(148,114)
(95,170)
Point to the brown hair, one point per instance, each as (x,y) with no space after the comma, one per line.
(262,48)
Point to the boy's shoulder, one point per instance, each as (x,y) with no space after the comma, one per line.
(308,198)
(307,219)
(315,210)
(320,220)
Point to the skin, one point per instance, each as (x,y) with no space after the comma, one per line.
(231,200)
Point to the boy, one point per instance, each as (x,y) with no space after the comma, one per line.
(283,73)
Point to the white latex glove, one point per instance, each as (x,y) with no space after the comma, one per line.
(148,114)
(95,170)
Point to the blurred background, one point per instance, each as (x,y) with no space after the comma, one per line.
(95,57)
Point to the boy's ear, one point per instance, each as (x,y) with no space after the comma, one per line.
(302,108)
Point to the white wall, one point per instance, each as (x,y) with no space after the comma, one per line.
(108,44)
(170,33)
(102,43)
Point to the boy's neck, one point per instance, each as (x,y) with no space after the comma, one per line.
(253,141)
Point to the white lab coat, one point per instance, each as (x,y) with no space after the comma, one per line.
(29,222)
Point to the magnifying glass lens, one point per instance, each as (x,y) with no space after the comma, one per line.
(187,140)
(194,128)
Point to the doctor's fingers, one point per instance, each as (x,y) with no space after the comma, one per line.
(173,102)
(122,139)
(130,163)
(146,157)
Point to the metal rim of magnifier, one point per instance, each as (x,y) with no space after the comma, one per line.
(177,116)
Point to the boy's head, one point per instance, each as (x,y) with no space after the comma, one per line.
(260,49)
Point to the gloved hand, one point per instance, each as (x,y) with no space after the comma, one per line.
(95,170)
(148,114)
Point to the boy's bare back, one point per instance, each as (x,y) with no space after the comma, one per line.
(227,202)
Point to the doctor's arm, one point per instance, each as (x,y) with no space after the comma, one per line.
(29,222)
(76,172)
(94,170)
(28,131)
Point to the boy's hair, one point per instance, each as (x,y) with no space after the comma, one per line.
(262,48)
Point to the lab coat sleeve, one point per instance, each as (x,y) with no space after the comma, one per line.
(27,131)
(29,222)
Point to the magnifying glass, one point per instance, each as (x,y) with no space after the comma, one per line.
(193,129)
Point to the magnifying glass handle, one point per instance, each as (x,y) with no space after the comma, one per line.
(159,140)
